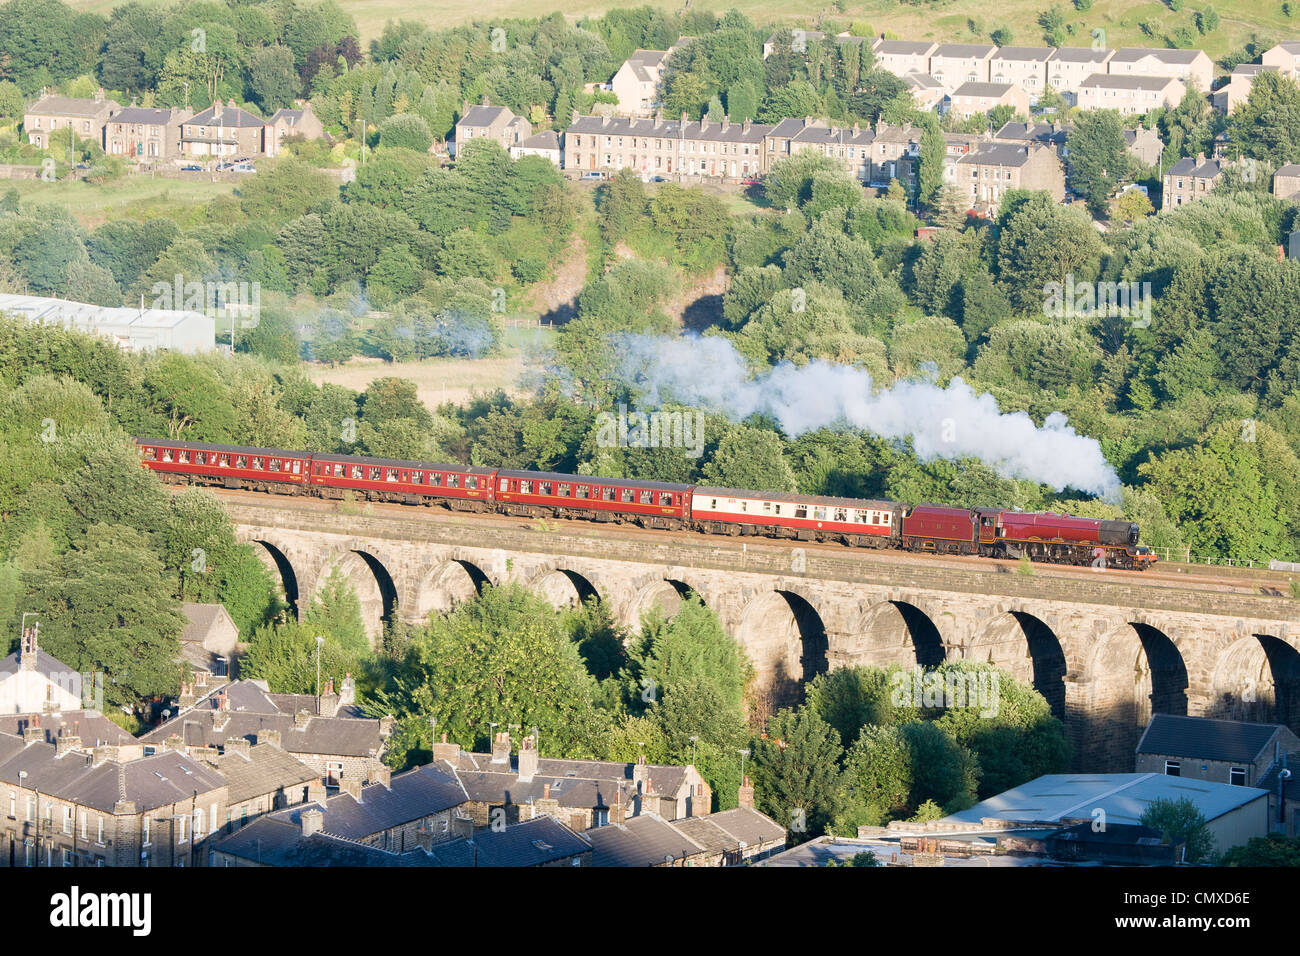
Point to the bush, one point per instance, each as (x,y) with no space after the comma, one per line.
(406,131)
(528,270)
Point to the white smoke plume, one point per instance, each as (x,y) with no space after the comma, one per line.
(952,422)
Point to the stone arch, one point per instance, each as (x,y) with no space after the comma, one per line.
(892,632)
(374,587)
(1028,648)
(665,594)
(440,587)
(1135,671)
(784,636)
(277,561)
(1257,678)
(564,587)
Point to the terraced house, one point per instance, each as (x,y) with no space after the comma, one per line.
(1022,66)
(1193,67)
(85,116)
(665,148)
(953,64)
(145,135)
(1130,95)
(1070,66)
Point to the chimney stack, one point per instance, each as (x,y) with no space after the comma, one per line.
(351,785)
(650,799)
(301,719)
(383,774)
(27,649)
(104,754)
(313,821)
(66,743)
(174,742)
(639,772)
(445,751)
(386,725)
(528,759)
(271,737)
(501,748)
(618,812)
(747,794)
(238,745)
(32,733)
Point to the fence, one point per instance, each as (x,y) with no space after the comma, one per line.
(1185,556)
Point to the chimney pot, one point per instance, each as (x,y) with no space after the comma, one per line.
(313,821)
(66,743)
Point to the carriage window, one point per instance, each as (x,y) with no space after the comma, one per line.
(884,517)
(546,487)
(666,498)
(200,458)
(183,457)
(224,461)
(841,514)
(258,463)
(645,498)
(471,481)
(819,514)
(453,481)
(626,496)
(526,487)
(435,478)
(713,504)
(778,509)
(273,464)
(338,469)
(767,507)
(167,454)
(582,491)
(374,474)
(744,506)
(417,477)
(357,472)
(505,485)
(150,454)
(801,511)
(390,474)
(564,491)
(607,494)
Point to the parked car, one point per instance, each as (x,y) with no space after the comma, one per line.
(593,174)
(751,181)
(192,168)
(243,168)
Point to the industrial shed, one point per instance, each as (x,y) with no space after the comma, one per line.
(134,329)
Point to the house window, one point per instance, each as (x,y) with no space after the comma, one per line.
(333,773)
(144,831)
(1173,768)
(182,829)
(99,830)
(1237,776)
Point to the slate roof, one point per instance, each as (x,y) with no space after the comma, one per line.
(669,129)
(46,665)
(834,136)
(1135,53)
(90,725)
(1290,169)
(644,840)
(903,47)
(253,712)
(547,139)
(996,154)
(266,769)
(965,50)
(1208,169)
(642,61)
(55,105)
(1036,133)
(1206,738)
(482,115)
(201,619)
(726,830)
(417,793)
(1028,54)
(982,89)
(151,782)
(274,841)
(533,843)
(142,115)
(1111,81)
(231,116)
(1081,54)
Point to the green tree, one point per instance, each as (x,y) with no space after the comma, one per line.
(1098,157)
(750,458)
(1179,821)
(796,772)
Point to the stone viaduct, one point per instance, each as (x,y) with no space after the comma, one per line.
(1105,651)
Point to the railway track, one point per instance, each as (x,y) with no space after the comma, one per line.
(1171,575)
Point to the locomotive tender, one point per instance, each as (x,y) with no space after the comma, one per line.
(988,532)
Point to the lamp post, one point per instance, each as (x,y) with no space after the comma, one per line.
(743,755)
(320,641)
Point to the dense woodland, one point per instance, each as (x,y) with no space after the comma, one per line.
(1199,411)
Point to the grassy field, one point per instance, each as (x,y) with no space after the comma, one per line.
(1121,19)
(446,380)
(137,197)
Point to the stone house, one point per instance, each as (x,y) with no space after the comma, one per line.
(1022,66)
(1286,182)
(1189,179)
(1193,67)
(144,135)
(1129,94)
(849,147)
(1144,145)
(1285,57)
(927,92)
(262,779)
(972,99)
(545,144)
(1069,66)
(285,123)
(579,793)
(708,149)
(736,836)
(209,641)
(987,171)
(649,840)
(953,64)
(69,808)
(221,130)
(89,727)
(32,682)
(902,57)
(327,736)
(51,112)
(485,121)
(636,84)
